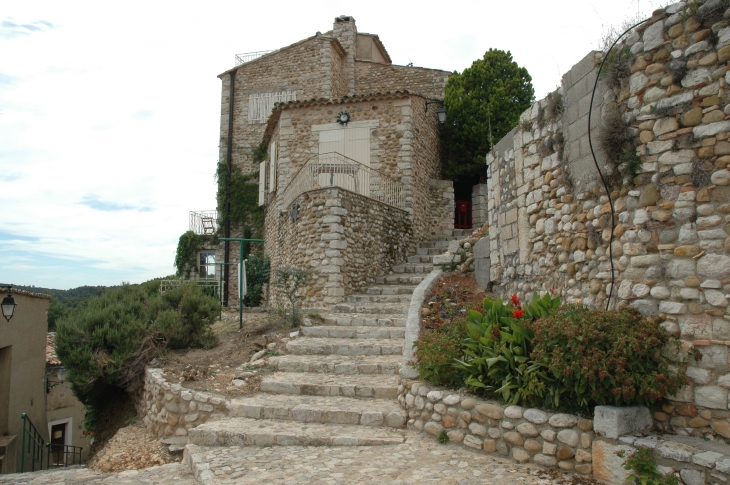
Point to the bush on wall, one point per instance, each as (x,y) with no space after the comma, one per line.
(606,358)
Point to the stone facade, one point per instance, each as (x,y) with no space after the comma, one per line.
(345,238)
(440,220)
(171,410)
(550,217)
(525,435)
(335,68)
(479,205)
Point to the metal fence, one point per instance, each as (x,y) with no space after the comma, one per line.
(32,451)
(336,170)
(203,222)
(209,287)
(249,56)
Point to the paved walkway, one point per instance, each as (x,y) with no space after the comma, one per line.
(417,461)
(172,473)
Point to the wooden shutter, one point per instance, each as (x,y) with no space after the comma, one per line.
(262,182)
(273,164)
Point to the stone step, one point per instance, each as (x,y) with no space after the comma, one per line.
(337,364)
(345,346)
(321,409)
(421,258)
(367,386)
(335,331)
(359,298)
(377,308)
(257,432)
(409,268)
(391,290)
(364,320)
(423,251)
(398,279)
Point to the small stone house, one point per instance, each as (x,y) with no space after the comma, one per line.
(349,184)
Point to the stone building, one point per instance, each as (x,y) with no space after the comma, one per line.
(356,121)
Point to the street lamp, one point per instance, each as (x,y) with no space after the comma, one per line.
(8,305)
(441,112)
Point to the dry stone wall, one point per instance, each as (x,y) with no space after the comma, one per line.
(551,220)
(525,435)
(171,410)
(441,209)
(344,238)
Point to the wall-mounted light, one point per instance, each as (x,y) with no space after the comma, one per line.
(8,304)
(441,112)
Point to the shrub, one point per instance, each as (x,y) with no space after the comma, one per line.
(289,281)
(604,357)
(643,468)
(107,341)
(257,275)
(436,351)
(497,350)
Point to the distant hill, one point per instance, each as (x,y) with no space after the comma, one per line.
(71,297)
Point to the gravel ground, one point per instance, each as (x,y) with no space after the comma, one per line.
(131,448)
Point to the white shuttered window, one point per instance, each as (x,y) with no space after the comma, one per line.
(262,182)
(274,158)
(260,105)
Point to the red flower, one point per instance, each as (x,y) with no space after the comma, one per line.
(515,300)
(518,313)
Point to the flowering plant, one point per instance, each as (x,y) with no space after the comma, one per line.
(497,350)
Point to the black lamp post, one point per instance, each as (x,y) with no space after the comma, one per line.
(8,305)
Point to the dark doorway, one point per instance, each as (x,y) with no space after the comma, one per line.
(5,359)
(58,440)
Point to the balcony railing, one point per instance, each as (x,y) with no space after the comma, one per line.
(203,222)
(336,170)
(249,56)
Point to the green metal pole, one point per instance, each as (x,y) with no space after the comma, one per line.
(240,285)
(22,449)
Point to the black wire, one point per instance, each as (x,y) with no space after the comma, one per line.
(605,185)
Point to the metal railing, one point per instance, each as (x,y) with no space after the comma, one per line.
(31,447)
(32,450)
(249,56)
(336,170)
(59,456)
(203,222)
(209,287)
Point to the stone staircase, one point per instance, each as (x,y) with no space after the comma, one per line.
(338,384)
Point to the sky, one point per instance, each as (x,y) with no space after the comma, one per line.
(109,111)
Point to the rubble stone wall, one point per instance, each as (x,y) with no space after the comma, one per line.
(440,220)
(346,239)
(171,410)
(373,77)
(524,435)
(551,219)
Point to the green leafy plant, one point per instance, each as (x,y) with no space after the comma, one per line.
(497,351)
(258,270)
(442,438)
(643,468)
(289,281)
(188,247)
(243,197)
(106,342)
(602,358)
(437,349)
(484,102)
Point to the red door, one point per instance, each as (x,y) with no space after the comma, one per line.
(462,214)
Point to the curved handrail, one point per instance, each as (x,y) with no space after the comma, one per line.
(346,173)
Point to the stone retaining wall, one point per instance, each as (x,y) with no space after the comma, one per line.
(550,217)
(345,238)
(525,435)
(171,410)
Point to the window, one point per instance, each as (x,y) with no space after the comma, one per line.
(261,105)
(207,265)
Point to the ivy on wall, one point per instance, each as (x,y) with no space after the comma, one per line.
(244,199)
(187,251)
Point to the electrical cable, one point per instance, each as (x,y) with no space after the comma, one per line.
(603,180)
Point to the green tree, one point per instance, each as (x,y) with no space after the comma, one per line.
(484,103)
(106,342)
